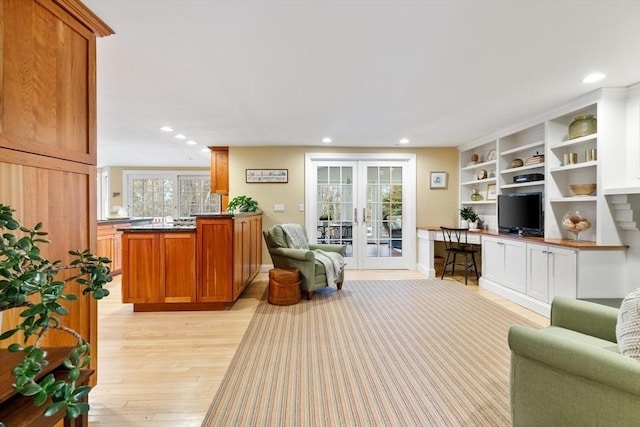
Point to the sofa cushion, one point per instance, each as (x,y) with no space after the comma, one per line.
(568,334)
(628,326)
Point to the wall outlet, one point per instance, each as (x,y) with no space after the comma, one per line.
(301,207)
(278,208)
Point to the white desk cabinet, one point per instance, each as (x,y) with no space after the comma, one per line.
(551,272)
(504,261)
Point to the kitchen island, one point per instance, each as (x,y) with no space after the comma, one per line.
(201,267)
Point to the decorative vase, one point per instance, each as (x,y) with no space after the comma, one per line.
(464,223)
(575,222)
(583,125)
(473,225)
(475,196)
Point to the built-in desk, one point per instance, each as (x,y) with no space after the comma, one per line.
(531,271)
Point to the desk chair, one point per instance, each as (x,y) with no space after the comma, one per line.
(455,241)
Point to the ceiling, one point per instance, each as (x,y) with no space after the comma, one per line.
(365,73)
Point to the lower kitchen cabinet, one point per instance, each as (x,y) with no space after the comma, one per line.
(158,268)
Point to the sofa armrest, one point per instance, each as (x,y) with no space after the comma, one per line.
(341,249)
(576,358)
(296,254)
(585,317)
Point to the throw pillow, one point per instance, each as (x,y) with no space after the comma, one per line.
(628,326)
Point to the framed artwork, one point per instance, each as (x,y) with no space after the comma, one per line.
(492,192)
(267,176)
(491,155)
(438,180)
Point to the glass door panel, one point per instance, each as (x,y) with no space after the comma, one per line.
(335,206)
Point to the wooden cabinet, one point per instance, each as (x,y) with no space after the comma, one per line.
(109,244)
(203,269)
(48,135)
(229,255)
(219,170)
(158,268)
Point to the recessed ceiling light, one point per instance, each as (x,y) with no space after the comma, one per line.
(403,141)
(326,140)
(166,129)
(593,77)
(181,136)
(191,142)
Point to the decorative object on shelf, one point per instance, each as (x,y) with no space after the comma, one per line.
(491,155)
(482,174)
(32,285)
(438,180)
(266,176)
(582,126)
(467,216)
(575,222)
(475,196)
(582,189)
(516,163)
(535,159)
(570,158)
(474,158)
(590,155)
(492,192)
(242,204)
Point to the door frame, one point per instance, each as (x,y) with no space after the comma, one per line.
(408,197)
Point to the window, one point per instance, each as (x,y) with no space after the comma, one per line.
(161,194)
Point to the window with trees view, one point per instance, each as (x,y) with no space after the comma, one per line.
(160,195)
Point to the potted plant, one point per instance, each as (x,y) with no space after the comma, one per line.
(242,204)
(31,284)
(468,216)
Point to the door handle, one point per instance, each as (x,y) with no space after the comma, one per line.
(355,215)
(364,215)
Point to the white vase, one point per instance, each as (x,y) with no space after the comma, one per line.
(473,225)
(464,223)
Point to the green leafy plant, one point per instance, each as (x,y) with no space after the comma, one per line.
(469,214)
(30,282)
(243,204)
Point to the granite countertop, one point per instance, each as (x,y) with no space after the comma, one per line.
(124,220)
(155,228)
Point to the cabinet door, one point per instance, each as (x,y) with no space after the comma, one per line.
(104,245)
(538,272)
(493,259)
(515,265)
(563,270)
(215,254)
(178,263)
(116,254)
(219,170)
(48,76)
(142,278)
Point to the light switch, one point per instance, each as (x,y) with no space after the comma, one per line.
(301,207)
(278,208)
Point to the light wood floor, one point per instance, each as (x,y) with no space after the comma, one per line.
(163,369)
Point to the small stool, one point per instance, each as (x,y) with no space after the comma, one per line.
(438,264)
(284,286)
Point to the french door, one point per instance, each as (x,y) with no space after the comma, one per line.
(365,202)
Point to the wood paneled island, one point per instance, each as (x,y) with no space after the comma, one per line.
(206,267)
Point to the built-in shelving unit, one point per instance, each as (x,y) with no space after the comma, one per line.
(542,147)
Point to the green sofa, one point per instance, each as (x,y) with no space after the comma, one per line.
(571,373)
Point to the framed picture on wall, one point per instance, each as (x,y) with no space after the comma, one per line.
(492,192)
(265,176)
(438,180)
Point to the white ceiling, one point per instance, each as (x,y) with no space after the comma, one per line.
(365,73)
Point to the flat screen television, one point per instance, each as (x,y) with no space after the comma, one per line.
(521,213)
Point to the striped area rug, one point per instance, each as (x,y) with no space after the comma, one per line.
(378,353)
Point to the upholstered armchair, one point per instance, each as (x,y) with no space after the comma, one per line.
(286,254)
(572,373)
